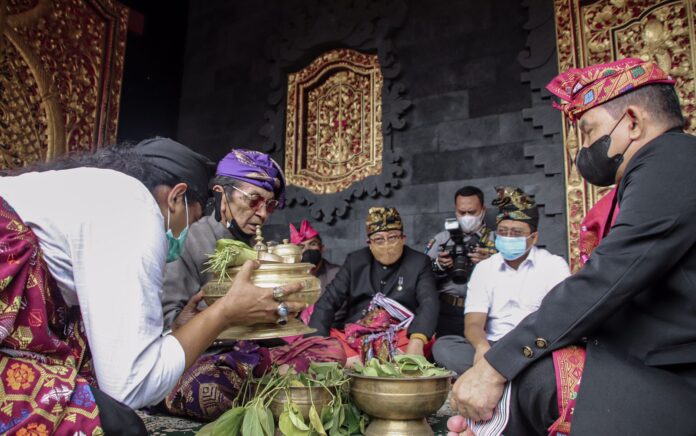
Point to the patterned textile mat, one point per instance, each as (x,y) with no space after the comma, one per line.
(163,425)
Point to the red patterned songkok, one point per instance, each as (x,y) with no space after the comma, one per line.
(581,89)
(305,233)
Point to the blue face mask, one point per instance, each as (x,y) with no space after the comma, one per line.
(176,245)
(511,248)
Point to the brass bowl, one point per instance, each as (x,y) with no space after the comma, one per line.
(303,400)
(269,275)
(398,406)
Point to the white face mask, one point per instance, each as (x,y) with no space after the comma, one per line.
(470,223)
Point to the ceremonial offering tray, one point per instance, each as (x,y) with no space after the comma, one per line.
(398,406)
(280,265)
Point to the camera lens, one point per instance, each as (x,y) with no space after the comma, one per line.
(461,269)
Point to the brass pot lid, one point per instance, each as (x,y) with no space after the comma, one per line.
(290,253)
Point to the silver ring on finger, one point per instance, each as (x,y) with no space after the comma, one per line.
(283,313)
(278,293)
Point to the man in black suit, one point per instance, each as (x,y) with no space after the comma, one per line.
(385,266)
(631,310)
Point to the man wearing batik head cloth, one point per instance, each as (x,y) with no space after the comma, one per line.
(385,273)
(312,252)
(612,349)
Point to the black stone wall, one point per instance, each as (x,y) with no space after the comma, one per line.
(153,70)
(467,124)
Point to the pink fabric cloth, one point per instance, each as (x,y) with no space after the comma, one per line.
(597,223)
(305,233)
(568,364)
(301,353)
(401,342)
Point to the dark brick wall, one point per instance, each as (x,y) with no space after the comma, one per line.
(153,70)
(466,126)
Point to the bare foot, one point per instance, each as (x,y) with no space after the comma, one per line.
(457,427)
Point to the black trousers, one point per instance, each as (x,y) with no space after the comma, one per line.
(533,404)
(117,418)
(450,320)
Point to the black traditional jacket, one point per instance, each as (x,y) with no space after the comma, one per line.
(633,305)
(412,284)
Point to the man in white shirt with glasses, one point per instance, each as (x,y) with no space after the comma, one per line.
(506,287)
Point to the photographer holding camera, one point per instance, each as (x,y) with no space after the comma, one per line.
(455,251)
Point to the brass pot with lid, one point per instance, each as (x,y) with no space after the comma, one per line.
(280,265)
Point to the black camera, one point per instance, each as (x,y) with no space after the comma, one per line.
(459,251)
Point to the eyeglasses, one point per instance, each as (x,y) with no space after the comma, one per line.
(516,233)
(391,239)
(255,201)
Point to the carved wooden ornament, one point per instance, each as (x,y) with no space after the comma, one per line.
(333,132)
(61,63)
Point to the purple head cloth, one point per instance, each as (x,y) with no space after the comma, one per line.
(256,168)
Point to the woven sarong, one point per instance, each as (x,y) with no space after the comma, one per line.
(44,356)
(207,389)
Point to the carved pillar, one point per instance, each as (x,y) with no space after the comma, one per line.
(61,63)
(602,31)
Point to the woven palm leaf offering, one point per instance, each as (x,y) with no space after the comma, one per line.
(293,404)
(398,395)
(280,265)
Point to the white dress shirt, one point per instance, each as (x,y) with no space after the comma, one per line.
(102,235)
(507,295)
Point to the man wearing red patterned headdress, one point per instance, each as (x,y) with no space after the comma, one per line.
(313,252)
(612,349)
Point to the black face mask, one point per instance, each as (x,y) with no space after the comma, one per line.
(238,234)
(312,256)
(232,226)
(594,163)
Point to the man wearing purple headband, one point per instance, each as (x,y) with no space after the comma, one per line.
(247,188)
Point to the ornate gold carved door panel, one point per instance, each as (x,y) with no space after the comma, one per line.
(61,63)
(334,122)
(602,31)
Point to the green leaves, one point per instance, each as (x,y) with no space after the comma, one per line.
(228,252)
(339,418)
(316,421)
(266,419)
(252,423)
(296,416)
(288,428)
(404,365)
(229,423)
(330,373)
